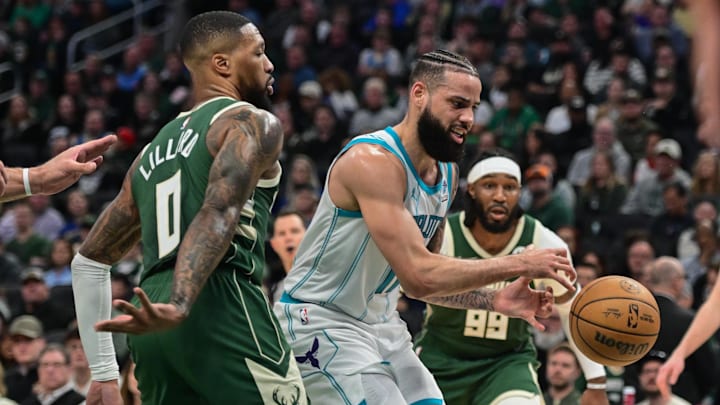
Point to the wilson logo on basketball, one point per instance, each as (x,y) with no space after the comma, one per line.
(623,348)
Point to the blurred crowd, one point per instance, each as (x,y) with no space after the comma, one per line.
(594,98)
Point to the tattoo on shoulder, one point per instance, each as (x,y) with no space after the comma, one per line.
(477,299)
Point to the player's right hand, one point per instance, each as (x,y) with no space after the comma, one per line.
(104,393)
(550,263)
(669,373)
(150,317)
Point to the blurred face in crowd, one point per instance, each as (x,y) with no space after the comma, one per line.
(585,274)
(25,350)
(34,291)
(664,89)
(24,217)
(615,90)
(53,370)
(648,373)
(674,203)
(324,120)
(665,165)
(631,109)
(562,369)
(705,211)
(601,168)
(639,254)
(288,231)
(77,204)
(61,254)
(19,109)
(706,165)
(603,134)
(301,171)
(78,360)
(66,108)
(665,57)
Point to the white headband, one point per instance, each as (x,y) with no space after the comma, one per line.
(493,165)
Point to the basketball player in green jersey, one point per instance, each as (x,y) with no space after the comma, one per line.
(199,198)
(482,357)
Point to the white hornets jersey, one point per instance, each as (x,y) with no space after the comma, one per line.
(338,265)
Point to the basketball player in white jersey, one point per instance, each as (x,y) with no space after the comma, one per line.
(379,219)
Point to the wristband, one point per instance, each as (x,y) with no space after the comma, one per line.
(596,386)
(26,181)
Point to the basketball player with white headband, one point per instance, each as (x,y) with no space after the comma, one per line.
(481,356)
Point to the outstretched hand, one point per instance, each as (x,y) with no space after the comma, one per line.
(518,300)
(668,374)
(548,263)
(150,317)
(65,169)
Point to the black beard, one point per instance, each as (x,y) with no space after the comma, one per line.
(258,98)
(491,226)
(437,140)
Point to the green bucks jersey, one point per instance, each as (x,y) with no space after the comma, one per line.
(475,334)
(169,186)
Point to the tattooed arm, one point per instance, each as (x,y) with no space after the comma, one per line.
(246,143)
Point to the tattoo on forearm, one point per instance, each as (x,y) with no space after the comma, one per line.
(114,233)
(235,171)
(477,299)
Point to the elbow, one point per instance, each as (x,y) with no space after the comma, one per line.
(417,287)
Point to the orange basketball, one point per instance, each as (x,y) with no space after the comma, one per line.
(614,320)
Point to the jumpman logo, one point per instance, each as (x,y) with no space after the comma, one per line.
(310,355)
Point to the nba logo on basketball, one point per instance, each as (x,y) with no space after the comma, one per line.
(304,316)
(632,321)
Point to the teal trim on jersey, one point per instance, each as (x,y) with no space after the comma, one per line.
(285,298)
(363,402)
(316,262)
(394,285)
(334,383)
(351,270)
(428,189)
(348,213)
(289,318)
(385,363)
(388,278)
(450,189)
(429,401)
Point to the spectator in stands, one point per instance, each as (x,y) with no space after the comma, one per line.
(545,206)
(561,187)
(339,50)
(40,99)
(382,59)
(10,265)
(559,119)
(79,368)
(645,197)
(68,115)
(375,113)
(337,84)
(48,220)
(661,26)
(58,272)
(620,63)
(639,255)
(304,201)
(322,141)
(145,120)
(512,122)
(26,333)
(545,340)
(54,386)
(563,370)
(645,167)
(604,141)
(668,285)
(705,182)
(21,135)
(78,207)
(703,210)
(29,246)
(632,127)
(133,70)
(93,127)
(288,231)
(705,233)
(648,368)
(599,202)
(587,273)
(54,311)
(297,65)
(666,228)
(612,106)
(669,109)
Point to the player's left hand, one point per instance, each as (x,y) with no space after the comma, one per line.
(594,397)
(518,300)
(65,169)
(150,317)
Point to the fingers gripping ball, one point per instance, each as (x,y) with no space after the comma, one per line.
(614,320)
